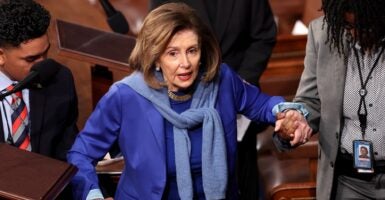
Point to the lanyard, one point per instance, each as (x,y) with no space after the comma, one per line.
(362,110)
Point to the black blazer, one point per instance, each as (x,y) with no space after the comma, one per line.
(53,115)
(246,32)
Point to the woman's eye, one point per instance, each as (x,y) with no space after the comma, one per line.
(172,53)
(193,51)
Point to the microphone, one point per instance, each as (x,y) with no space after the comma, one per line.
(40,73)
(115,19)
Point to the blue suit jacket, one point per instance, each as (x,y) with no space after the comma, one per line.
(124,115)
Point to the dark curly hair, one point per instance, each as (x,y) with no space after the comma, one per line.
(21,20)
(369,24)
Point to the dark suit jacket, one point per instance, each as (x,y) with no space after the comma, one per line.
(245,30)
(53,115)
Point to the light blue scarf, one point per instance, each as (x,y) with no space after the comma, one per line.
(214,159)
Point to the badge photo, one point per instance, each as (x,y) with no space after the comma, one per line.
(362,153)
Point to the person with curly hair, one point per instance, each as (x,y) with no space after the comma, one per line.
(342,86)
(41,118)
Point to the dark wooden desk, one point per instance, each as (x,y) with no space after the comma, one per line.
(28,175)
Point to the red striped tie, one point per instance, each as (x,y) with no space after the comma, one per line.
(19,118)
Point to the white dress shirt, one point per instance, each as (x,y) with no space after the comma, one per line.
(5,81)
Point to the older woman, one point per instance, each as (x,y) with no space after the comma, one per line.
(174,117)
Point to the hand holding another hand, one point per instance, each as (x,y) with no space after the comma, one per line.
(292,126)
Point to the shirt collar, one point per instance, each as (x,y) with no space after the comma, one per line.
(5,81)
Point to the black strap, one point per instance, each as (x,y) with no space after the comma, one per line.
(362,110)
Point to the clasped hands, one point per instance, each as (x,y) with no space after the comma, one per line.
(292,126)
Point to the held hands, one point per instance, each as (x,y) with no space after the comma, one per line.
(292,126)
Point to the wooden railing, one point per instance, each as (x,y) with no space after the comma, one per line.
(79,45)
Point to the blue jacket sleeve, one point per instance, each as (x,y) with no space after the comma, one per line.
(94,141)
(249,99)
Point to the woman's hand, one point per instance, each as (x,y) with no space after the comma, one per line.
(292,126)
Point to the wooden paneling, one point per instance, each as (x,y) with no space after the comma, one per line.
(287,12)
(90,12)
(285,66)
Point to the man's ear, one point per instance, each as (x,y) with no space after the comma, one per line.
(2,57)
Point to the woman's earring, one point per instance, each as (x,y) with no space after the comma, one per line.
(157,68)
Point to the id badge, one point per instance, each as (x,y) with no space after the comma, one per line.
(363,156)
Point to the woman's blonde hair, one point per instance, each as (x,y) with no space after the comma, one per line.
(159,26)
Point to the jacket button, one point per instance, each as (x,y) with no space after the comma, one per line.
(331,164)
(337,135)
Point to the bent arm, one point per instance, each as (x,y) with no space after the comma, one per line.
(94,141)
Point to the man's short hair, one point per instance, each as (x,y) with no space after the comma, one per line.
(22,20)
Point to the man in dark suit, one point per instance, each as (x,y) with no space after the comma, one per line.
(246,32)
(48,126)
